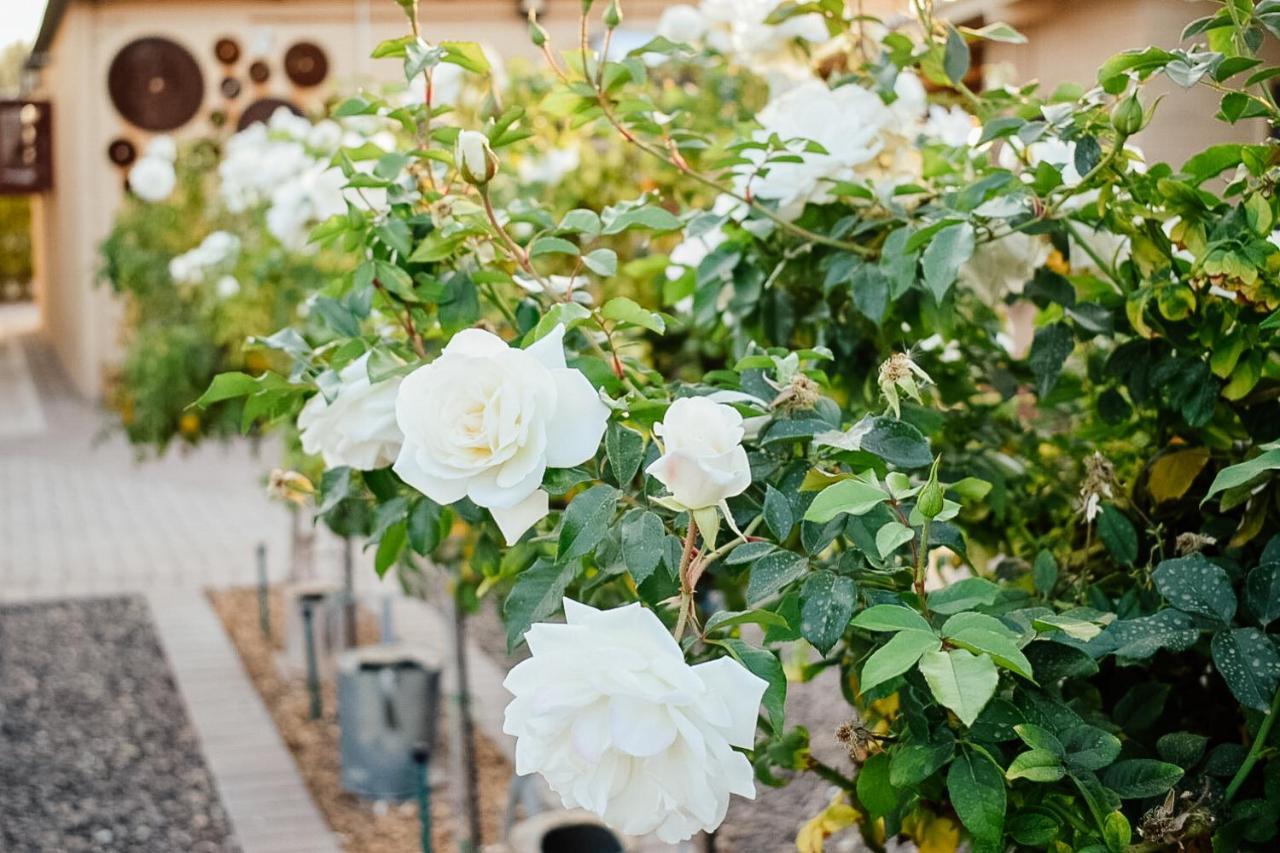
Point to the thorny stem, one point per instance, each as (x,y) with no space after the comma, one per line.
(1255,750)
(686,592)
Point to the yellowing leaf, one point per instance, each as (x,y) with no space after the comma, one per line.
(1172,474)
(836,816)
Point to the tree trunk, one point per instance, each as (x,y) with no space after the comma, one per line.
(464,739)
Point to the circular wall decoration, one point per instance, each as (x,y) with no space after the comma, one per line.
(306,64)
(227,51)
(121,152)
(155,84)
(262,110)
(259,72)
(230,87)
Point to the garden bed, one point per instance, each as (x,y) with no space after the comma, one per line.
(98,751)
(362,826)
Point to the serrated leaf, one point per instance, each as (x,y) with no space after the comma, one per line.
(625,450)
(535,595)
(961,681)
(1139,778)
(826,605)
(1089,747)
(1050,348)
(855,497)
(964,594)
(976,788)
(1238,475)
(772,572)
(903,650)
(586,521)
(1117,534)
(889,617)
(1194,585)
(643,536)
(777,513)
(1036,765)
(892,536)
(1137,639)
(1248,661)
(946,253)
(624,310)
(980,633)
(1262,593)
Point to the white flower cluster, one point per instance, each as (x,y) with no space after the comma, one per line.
(738,29)
(153,177)
(285,164)
(216,252)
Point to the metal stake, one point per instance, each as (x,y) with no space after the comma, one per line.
(313,673)
(349,591)
(422,756)
(264,604)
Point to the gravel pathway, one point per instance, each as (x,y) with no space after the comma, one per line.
(96,750)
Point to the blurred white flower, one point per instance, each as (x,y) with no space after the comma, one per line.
(846,122)
(308,198)
(358,428)
(682,23)
(951,126)
(550,167)
(219,249)
(703,461)
(1001,268)
(557,286)
(227,287)
(609,713)
(486,420)
(153,177)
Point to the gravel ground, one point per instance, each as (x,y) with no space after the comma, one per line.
(96,751)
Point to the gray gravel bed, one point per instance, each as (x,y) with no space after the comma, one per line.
(96,750)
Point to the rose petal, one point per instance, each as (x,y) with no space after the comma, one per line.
(640,728)
(514,521)
(742,691)
(440,489)
(549,349)
(575,430)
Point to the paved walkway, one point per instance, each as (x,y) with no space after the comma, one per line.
(81,516)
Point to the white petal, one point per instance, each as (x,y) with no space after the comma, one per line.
(514,521)
(475,342)
(741,690)
(549,349)
(439,489)
(575,430)
(640,728)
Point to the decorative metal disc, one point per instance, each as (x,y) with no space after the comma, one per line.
(262,110)
(155,84)
(122,152)
(227,51)
(306,64)
(259,71)
(230,87)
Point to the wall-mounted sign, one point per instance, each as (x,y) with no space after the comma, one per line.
(26,147)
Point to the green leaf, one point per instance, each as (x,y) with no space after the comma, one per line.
(647,217)
(1036,765)
(896,442)
(390,547)
(980,633)
(552,246)
(895,657)
(642,539)
(624,310)
(961,681)
(1194,585)
(826,605)
(586,521)
(424,526)
(1117,533)
(912,763)
(855,497)
(1049,350)
(1137,639)
(977,791)
(777,513)
(766,665)
(1089,747)
(1138,778)
(625,449)
(772,572)
(875,791)
(227,386)
(1238,475)
(1117,832)
(1182,748)
(731,618)
(465,54)
(1044,573)
(890,617)
(946,253)
(535,595)
(963,595)
(955,57)
(1038,737)
(602,262)
(1248,661)
(893,536)
(1262,593)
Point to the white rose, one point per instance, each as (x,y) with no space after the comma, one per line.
(703,462)
(486,420)
(153,179)
(682,23)
(610,714)
(358,429)
(1003,267)
(474,158)
(847,122)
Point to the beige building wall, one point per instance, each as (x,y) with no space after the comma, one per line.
(1067,41)
(80,316)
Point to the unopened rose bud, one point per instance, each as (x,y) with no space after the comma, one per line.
(537,34)
(474,158)
(613,15)
(930,501)
(1127,116)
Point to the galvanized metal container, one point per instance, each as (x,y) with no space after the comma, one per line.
(388,703)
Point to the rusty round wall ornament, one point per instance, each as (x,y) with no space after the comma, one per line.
(227,51)
(121,151)
(155,84)
(259,71)
(306,64)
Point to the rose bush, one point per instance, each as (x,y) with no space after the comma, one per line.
(971,336)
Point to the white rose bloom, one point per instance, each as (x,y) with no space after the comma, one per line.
(738,27)
(358,429)
(682,23)
(153,179)
(613,718)
(847,122)
(703,462)
(951,126)
(1003,267)
(310,197)
(486,420)
(217,249)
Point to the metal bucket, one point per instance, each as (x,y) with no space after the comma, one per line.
(575,831)
(388,703)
